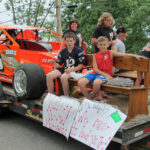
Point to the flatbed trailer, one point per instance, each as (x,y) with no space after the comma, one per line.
(129,132)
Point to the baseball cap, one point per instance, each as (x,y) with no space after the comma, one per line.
(121,30)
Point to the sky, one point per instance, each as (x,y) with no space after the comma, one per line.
(4,15)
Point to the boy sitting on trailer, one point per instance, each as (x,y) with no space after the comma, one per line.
(70,59)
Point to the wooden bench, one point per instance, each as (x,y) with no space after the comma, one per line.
(137,96)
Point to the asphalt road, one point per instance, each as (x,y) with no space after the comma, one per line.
(20,133)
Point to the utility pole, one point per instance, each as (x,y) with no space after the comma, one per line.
(58,14)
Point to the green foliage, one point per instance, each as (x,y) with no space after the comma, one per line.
(134,15)
(30,12)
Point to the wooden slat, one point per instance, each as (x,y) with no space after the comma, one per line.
(131,63)
(138,103)
(128,63)
(111,88)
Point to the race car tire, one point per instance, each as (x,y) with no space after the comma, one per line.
(29,81)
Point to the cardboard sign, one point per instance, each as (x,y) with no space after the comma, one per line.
(59,113)
(96,124)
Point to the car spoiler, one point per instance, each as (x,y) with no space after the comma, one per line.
(25,27)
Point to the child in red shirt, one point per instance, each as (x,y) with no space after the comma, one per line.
(102,69)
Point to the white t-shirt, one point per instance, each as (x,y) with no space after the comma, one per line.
(120,46)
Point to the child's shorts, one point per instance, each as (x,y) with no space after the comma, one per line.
(92,76)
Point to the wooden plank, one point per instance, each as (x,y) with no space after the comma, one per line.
(138,103)
(131,63)
(128,63)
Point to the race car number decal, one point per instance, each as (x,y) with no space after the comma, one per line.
(10,52)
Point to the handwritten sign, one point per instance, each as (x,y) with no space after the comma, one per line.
(96,124)
(59,113)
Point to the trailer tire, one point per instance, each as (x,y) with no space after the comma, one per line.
(29,81)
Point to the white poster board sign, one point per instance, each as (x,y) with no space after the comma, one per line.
(59,113)
(96,124)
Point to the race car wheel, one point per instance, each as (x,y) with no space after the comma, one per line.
(29,81)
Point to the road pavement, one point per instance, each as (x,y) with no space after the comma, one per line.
(20,133)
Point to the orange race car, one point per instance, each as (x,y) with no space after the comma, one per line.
(25,58)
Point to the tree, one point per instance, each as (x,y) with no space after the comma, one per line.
(134,15)
(30,12)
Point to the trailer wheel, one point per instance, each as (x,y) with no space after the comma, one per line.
(29,81)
